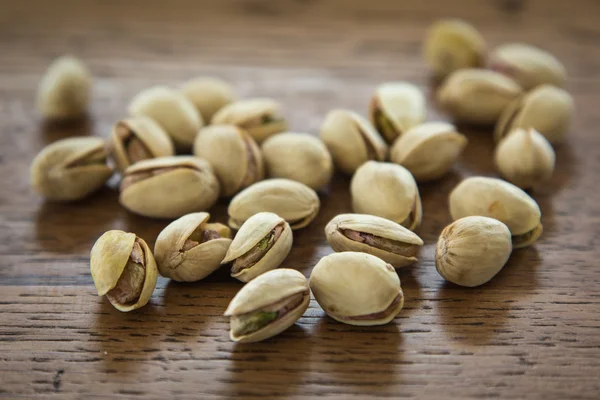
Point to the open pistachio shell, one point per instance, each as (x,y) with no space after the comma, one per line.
(208,95)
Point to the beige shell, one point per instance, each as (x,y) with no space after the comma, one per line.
(547,109)
(349,285)
(233,154)
(387,190)
(525,158)
(472,250)
(70,169)
(208,95)
(108,260)
(300,157)
(65,90)
(169,187)
(429,150)
(180,263)
(260,117)
(172,111)
(267,289)
(293,201)
(395,108)
(408,243)
(495,198)
(477,96)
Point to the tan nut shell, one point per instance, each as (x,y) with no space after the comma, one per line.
(293,201)
(347,136)
(208,95)
(352,284)
(53,176)
(429,150)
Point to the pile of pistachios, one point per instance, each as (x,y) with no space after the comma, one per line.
(240,150)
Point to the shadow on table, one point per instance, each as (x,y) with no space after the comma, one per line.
(54,130)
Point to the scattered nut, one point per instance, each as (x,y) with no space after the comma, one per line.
(208,95)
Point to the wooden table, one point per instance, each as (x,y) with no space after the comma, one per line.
(533,332)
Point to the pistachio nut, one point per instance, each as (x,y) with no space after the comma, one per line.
(190,248)
(351,140)
(546,108)
(209,95)
(169,187)
(293,201)
(70,169)
(171,110)
(300,157)
(395,108)
(374,235)
(528,65)
(268,305)
(477,96)
(429,150)
(357,288)
(453,44)
(525,158)
(495,198)
(136,139)
(261,244)
(123,269)
(387,190)
(472,250)
(233,154)
(260,117)
(65,90)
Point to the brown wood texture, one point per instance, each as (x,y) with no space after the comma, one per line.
(532,332)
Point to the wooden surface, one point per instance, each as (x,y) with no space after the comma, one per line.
(533,332)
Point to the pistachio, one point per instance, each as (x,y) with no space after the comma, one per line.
(172,111)
(70,169)
(351,140)
(495,198)
(477,96)
(472,250)
(233,154)
(386,190)
(169,187)
(357,288)
(293,201)
(208,95)
(123,269)
(260,117)
(429,150)
(64,91)
(300,157)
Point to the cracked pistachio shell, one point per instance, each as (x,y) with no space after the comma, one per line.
(172,111)
(169,187)
(300,157)
(477,96)
(395,108)
(64,91)
(472,250)
(70,169)
(498,199)
(262,118)
(293,201)
(357,288)
(253,231)
(109,261)
(233,154)
(453,44)
(525,158)
(351,140)
(182,255)
(270,288)
(528,65)
(387,190)
(208,95)
(404,242)
(429,150)
(136,139)
(546,108)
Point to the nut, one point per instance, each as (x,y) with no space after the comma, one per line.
(208,95)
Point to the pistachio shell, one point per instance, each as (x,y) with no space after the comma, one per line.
(208,95)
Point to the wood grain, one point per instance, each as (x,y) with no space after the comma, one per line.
(533,332)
